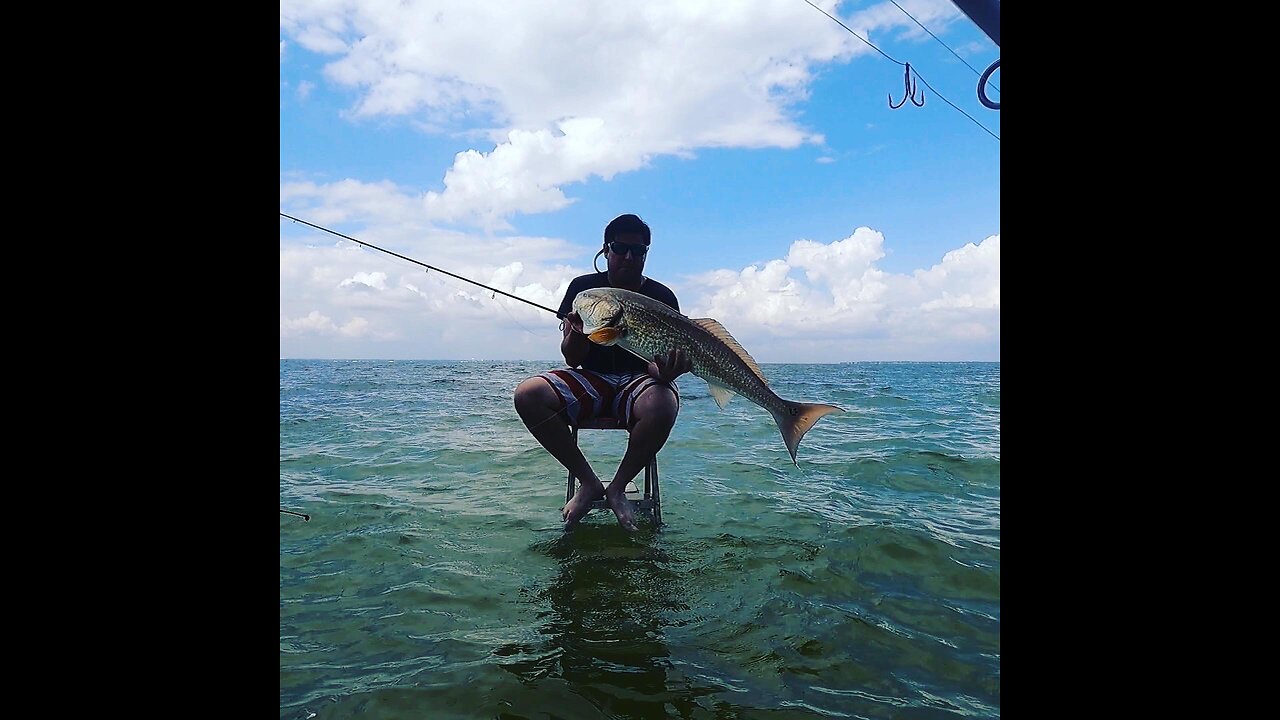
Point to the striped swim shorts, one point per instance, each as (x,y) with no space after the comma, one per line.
(586,394)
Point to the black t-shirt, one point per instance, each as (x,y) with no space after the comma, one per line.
(613,359)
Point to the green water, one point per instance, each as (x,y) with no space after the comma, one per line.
(434,579)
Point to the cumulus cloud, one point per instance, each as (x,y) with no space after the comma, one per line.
(822,302)
(966,278)
(817,284)
(372,281)
(562,93)
(314,323)
(366,303)
(834,292)
(579,89)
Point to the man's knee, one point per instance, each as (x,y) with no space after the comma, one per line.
(533,392)
(657,404)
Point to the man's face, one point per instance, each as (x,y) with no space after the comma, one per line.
(629,263)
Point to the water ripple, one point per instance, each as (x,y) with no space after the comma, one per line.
(434,580)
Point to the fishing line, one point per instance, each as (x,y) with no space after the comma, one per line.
(515,320)
(446,272)
(429,267)
(494,298)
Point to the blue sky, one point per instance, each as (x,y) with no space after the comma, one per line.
(495,140)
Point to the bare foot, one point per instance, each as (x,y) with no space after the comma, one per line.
(621,507)
(580,504)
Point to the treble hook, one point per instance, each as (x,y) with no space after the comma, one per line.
(908,90)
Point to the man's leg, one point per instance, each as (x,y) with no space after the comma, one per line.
(652,417)
(539,407)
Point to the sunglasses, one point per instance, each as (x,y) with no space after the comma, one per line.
(620,249)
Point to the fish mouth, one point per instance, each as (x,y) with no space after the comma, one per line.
(604,336)
(601,316)
(607,331)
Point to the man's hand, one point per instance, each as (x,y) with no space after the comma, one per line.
(572,323)
(574,346)
(671,366)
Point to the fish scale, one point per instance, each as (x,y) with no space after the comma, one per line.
(712,359)
(647,327)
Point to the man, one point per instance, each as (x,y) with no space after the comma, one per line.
(605,381)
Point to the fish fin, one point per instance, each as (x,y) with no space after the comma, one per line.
(717,330)
(796,419)
(605,336)
(721,393)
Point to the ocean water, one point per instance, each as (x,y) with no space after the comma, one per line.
(434,579)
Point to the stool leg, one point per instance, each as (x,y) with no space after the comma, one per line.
(568,495)
(657,495)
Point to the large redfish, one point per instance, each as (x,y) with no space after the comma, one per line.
(647,327)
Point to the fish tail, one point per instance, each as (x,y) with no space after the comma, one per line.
(796,419)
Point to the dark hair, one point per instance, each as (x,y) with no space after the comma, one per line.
(626,224)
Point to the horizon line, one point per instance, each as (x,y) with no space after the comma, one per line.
(554,362)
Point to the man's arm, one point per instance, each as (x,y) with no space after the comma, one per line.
(574,345)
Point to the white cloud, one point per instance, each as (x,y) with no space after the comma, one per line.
(568,91)
(316,324)
(372,281)
(932,14)
(337,290)
(966,278)
(823,302)
(840,286)
(972,48)
(330,204)
(575,89)
(829,302)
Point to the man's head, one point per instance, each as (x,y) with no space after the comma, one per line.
(626,244)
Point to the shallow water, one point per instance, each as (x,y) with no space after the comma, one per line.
(434,579)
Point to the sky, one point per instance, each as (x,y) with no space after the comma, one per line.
(495,139)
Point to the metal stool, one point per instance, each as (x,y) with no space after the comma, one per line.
(649,503)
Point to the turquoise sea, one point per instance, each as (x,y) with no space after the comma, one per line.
(434,579)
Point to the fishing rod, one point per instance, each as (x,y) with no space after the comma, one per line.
(304,516)
(429,267)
